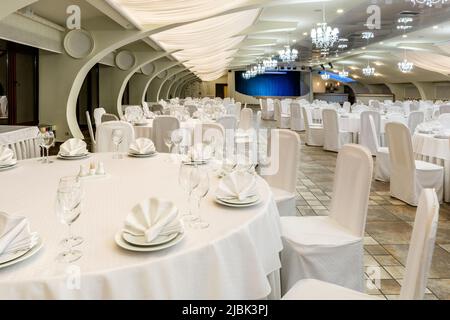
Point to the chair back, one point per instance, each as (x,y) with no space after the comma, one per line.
(162,126)
(444,109)
(374,133)
(106,117)
(444,119)
(246,122)
(91,131)
(366,135)
(351,189)
(414,119)
(285,157)
(98,113)
(421,247)
(331,130)
(277,110)
(105,134)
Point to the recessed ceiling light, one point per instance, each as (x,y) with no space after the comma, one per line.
(340,11)
(364,48)
(435,27)
(405,36)
(294,41)
(381,42)
(305,33)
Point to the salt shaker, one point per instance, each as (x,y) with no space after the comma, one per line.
(92,169)
(83,171)
(100,168)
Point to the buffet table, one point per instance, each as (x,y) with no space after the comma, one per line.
(22,140)
(237,257)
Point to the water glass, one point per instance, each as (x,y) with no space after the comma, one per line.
(188,182)
(117,139)
(200,192)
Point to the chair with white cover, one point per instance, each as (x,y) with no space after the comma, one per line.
(297,123)
(283,119)
(162,126)
(408,176)
(91,131)
(334,138)
(283,171)
(365,135)
(444,109)
(105,132)
(191,109)
(246,122)
(267,110)
(314,134)
(382,164)
(106,117)
(237,110)
(347,106)
(98,113)
(414,119)
(418,262)
(444,120)
(3,106)
(330,248)
(276,109)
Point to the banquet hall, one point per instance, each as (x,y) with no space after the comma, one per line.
(264,150)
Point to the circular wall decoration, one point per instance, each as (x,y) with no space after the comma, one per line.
(78,43)
(125,60)
(148,69)
(163,74)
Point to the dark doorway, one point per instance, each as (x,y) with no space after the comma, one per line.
(126,95)
(221,90)
(351,94)
(19,83)
(89,96)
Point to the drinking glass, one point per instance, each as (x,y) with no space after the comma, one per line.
(188,183)
(168,140)
(117,138)
(200,192)
(68,210)
(177,138)
(48,139)
(40,142)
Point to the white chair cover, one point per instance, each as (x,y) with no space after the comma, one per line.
(334,138)
(285,157)
(414,119)
(267,111)
(444,119)
(3,106)
(347,106)
(211,130)
(98,113)
(91,131)
(366,136)
(237,110)
(444,109)
(246,122)
(331,248)
(297,123)
(162,125)
(107,117)
(104,136)
(228,122)
(382,165)
(409,177)
(314,134)
(417,265)
(276,109)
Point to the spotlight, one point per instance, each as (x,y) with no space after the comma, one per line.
(322,66)
(331,65)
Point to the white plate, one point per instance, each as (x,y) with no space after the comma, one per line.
(24,256)
(235,201)
(78,157)
(4,168)
(140,124)
(237,205)
(193,163)
(135,155)
(123,244)
(141,242)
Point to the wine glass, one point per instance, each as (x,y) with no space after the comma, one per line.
(40,142)
(117,138)
(48,139)
(68,210)
(177,138)
(188,183)
(200,192)
(168,140)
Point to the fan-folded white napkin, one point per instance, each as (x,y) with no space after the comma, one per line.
(15,234)
(73,147)
(237,185)
(142,146)
(7,157)
(152,218)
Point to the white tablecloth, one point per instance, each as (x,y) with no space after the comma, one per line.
(437,151)
(147,130)
(22,140)
(232,259)
(352,123)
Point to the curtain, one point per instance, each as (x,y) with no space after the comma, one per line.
(429,61)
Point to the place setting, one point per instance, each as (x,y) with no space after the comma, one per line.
(200,154)
(238,189)
(152,225)
(73,149)
(142,148)
(7,159)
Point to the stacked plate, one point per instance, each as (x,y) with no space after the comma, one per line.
(73,157)
(237,203)
(141,155)
(9,259)
(4,167)
(138,243)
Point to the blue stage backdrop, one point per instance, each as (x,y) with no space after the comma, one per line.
(273,84)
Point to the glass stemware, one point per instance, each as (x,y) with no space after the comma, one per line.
(68,210)
(200,192)
(40,142)
(48,139)
(177,139)
(188,182)
(117,138)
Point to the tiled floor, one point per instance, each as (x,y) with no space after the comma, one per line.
(388,229)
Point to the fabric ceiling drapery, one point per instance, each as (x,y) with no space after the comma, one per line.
(429,61)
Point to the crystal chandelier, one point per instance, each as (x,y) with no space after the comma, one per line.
(270,63)
(368,71)
(288,55)
(324,36)
(367,35)
(405,66)
(343,73)
(429,3)
(325,76)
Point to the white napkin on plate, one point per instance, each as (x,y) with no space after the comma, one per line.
(142,146)
(7,157)
(15,234)
(152,218)
(237,185)
(73,147)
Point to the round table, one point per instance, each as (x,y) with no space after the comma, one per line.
(352,122)
(233,259)
(146,131)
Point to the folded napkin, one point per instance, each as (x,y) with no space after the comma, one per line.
(73,147)
(152,218)
(15,234)
(200,152)
(237,185)
(6,156)
(142,146)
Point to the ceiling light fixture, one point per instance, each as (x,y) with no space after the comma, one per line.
(325,76)
(343,73)
(429,3)
(324,36)
(368,71)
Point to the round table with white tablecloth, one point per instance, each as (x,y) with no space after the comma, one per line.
(146,131)
(235,258)
(352,122)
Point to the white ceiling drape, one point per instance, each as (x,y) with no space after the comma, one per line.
(429,61)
